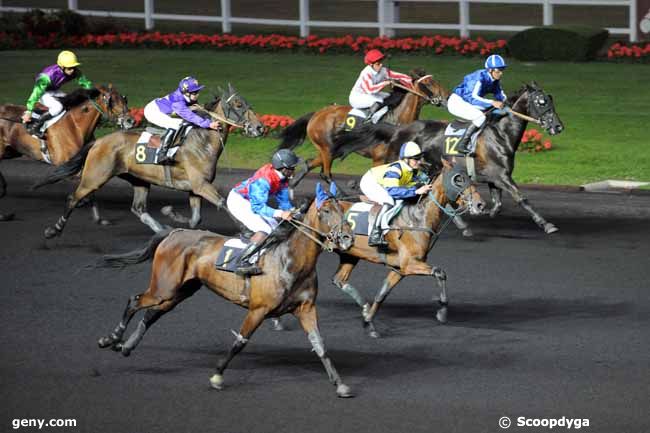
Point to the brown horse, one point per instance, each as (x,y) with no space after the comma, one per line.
(413,233)
(322,125)
(194,170)
(86,108)
(185,260)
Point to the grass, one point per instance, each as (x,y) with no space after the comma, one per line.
(604,106)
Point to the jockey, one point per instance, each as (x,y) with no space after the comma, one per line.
(159,112)
(468,101)
(248,202)
(389,184)
(46,89)
(374,77)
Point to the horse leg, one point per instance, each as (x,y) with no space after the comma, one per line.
(3,191)
(391,280)
(462,225)
(132,307)
(139,207)
(95,212)
(340,280)
(506,182)
(193,221)
(495,194)
(306,314)
(155,310)
(251,322)
(441,278)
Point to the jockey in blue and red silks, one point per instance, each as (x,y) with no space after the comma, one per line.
(46,89)
(248,202)
(468,100)
(160,111)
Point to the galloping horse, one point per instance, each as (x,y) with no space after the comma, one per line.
(413,233)
(322,125)
(185,260)
(495,151)
(67,136)
(194,170)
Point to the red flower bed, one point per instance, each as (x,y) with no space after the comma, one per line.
(640,51)
(350,44)
(533,141)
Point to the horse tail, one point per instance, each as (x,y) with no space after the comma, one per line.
(347,142)
(294,135)
(135,256)
(67,169)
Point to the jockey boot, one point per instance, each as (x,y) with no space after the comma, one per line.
(376,238)
(464,145)
(34,127)
(372,110)
(244,266)
(166,141)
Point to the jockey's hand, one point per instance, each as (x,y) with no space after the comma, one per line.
(424,189)
(27,116)
(497,104)
(215,125)
(286,215)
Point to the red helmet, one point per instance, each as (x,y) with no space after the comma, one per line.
(373,56)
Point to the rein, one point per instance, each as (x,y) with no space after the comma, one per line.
(410,90)
(305,230)
(522,116)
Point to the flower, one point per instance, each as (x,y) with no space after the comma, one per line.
(531,141)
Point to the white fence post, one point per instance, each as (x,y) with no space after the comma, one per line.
(463,12)
(148,14)
(304,18)
(73,5)
(634,22)
(391,15)
(548,13)
(225,16)
(381,17)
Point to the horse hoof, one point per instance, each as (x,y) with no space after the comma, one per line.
(550,228)
(6,217)
(374,334)
(105,342)
(344,391)
(441,315)
(468,233)
(126,351)
(216,381)
(167,210)
(494,213)
(103,222)
(277,325)
(51,232)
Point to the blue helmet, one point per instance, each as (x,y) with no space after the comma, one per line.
(495,61)
(189,85)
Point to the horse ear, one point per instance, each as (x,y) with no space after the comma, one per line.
(333,189)
(231,89)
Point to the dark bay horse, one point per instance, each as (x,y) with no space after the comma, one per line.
(185,260)
(413,233)
(86,108)
(495,151)
(194,170)
(322,125)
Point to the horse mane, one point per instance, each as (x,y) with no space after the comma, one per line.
(525,87)
(78,97)
(283,232)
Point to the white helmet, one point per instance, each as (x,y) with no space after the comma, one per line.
(410,149)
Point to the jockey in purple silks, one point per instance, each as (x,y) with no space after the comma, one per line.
(46,89)
(160,110)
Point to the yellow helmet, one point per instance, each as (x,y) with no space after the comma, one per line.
(67,59)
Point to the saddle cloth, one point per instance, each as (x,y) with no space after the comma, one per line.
(36,114)
(361,216)
(357,116)
(232,250)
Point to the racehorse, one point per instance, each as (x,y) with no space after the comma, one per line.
(184,260)
(65,138)
(495,150)
(194,170)
(413,233)
(322,125)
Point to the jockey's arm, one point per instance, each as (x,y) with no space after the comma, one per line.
(84,82)
(42,83)
(258,195)
(367,85)
(478,100)
(283,199)
(185,113)
(391,183)
(403,78)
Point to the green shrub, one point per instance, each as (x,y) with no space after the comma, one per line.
(569,43)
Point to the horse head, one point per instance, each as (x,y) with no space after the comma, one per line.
(114,106)
(328,217)
(459,189)
(238,111)
(540,106)
(435,93)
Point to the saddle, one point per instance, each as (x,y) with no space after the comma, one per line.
(35,127)
(147,147)
(361,216)
(233,249)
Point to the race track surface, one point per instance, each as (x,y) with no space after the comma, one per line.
(539,327)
